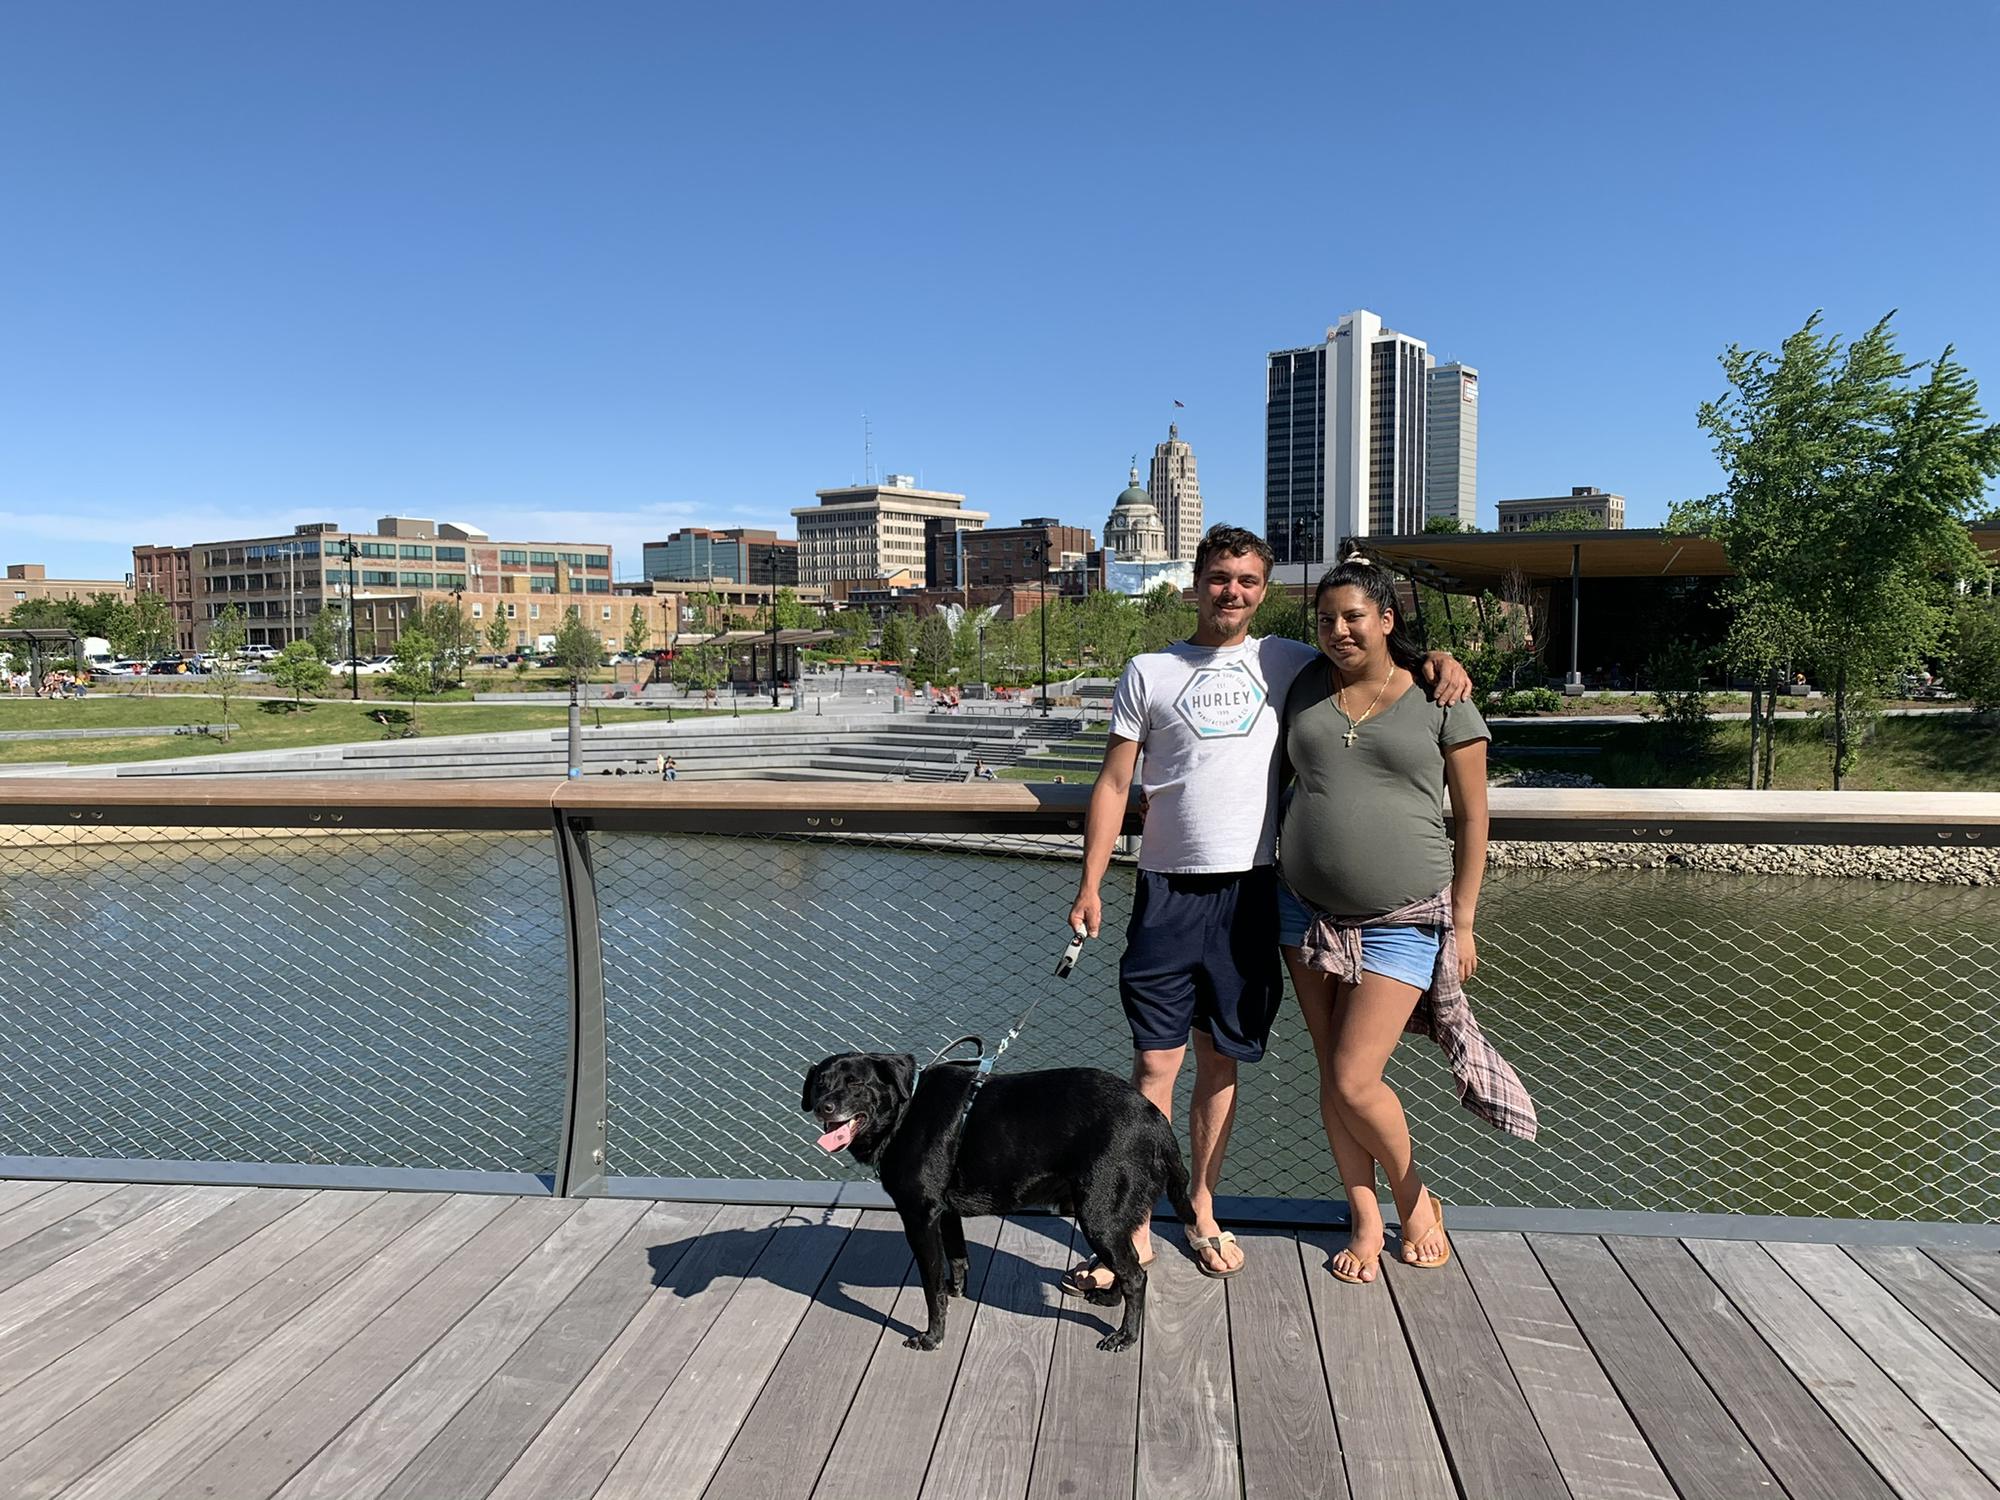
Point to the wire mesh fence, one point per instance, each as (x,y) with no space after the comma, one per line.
(1694,1042)
(235,995)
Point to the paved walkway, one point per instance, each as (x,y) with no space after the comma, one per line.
(233,1342)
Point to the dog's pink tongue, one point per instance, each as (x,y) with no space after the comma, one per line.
(837,1138)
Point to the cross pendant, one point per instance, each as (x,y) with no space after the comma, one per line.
(1349,737)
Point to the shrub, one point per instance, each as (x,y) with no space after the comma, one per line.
(1534,700)
(1973,669)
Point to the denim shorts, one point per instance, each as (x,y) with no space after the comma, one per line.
(1408,954)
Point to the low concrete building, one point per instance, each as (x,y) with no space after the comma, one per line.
(30,581)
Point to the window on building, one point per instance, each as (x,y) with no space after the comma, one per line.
(574,559)
(510,611)
(451,554)
(478,611)
(416,580)
(534,611)
(546,559)
(592,560)
(414,553)
(607,611)
(510,557)
(370,576)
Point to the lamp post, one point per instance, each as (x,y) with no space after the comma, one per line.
(1039,552)
(982,652)
(1302,555)
(774,644)
(353,657)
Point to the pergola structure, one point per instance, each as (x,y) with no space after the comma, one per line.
(765,648)
(39,639)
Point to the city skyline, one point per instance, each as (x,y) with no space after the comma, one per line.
(616,315)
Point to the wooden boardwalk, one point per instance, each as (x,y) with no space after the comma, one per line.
(244,1342)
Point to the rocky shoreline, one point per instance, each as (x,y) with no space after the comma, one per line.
(1924,864)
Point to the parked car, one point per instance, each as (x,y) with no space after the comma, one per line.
(364,666)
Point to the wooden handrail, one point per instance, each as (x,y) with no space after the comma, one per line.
(1594,814)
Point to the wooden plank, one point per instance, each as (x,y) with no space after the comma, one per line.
(116,1385)
(1596,1445)
(676,1451)
(94,1215)
(15,1191)
(1284,1411)
(177,1443)
(986,1446)
(1978,1269)
(1966,1407)
(1791,1432)
(262,1456)
(885,1442)
(577,1449)
(480,1443)
(784,1442)
(1691,1432)
(1947,1307)
(1390,1445)
(35,1214)
(113,1254)
(1089,1437)
(1496,1449)
(26,1349)
(1187,1394)
(1918,1461)
(366,1454)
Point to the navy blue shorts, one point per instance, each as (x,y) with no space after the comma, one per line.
(1201,954)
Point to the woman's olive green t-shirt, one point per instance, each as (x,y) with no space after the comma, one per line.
(1364,832)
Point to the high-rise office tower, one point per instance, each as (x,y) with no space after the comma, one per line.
(1451,455)
(1176,493)
(1345,427)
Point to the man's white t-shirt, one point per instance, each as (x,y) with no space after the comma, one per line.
(1206,722)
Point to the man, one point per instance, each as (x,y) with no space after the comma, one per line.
(1201,956)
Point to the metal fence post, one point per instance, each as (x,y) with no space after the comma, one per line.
(580,1166)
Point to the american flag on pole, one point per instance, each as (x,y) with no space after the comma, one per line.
(1181,404)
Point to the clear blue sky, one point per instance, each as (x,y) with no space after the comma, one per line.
(597,271)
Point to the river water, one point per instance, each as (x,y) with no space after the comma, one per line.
(1693,1040)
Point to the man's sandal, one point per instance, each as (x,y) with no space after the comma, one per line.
(1422,1263)
(1214,1242)
(1080,1281)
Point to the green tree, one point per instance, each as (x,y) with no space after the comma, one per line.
(895,643)
(445,621)
(226,635)
(932,658)
(1576,519)
(1972,666)
(578,650)
(1849,484)
(792,615)
(499,631)
(150,620)
(1446,525)
(300,671)
(43,614)
(638,634)
(328,633)
(416,674)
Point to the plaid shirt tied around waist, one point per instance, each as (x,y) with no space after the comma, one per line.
(1487,1082)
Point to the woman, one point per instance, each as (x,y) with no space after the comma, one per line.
(1377,923)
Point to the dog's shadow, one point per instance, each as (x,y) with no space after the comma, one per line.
(827,1261)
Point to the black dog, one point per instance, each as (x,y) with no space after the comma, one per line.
(1076,1140)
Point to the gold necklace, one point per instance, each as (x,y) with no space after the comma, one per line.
(1354,724)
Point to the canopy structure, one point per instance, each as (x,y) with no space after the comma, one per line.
(40,640)
(1612,568)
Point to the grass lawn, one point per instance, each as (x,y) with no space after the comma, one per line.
(1941,753)
(266,724)
(1023,773)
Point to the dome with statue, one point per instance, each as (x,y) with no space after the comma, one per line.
(1134,530)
